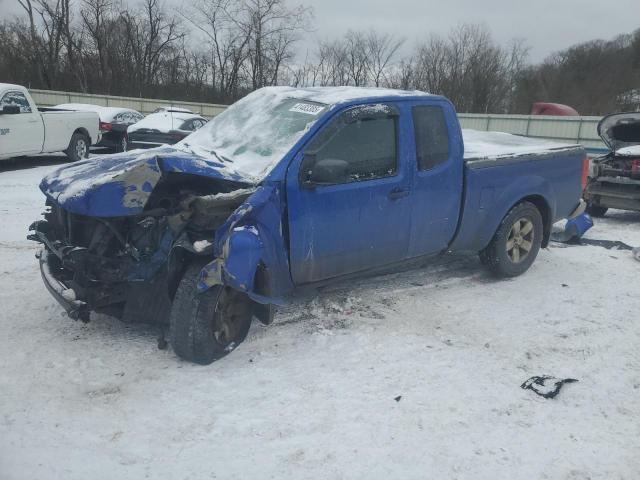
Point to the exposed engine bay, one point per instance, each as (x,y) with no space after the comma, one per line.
(127,266)
(614,180)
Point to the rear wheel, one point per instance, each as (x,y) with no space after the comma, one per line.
(124,144)
(596,210)
(78,148)
(516,243)
(205,327)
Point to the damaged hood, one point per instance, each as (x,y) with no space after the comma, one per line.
(620,130)
(121,184)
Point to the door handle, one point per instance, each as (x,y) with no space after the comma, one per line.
(398,193)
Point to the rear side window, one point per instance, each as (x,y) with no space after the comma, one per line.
(128,118)
(17,99)
(367,143)
(188,125)
(432,138)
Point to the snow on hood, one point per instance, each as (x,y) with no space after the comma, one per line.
(121,184)
(620,130)
(256,132)
(106,114)
(163,121)
(632,151)
(494,145)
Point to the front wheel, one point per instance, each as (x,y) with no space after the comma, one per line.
(516,243)
(205,327)
(78,148)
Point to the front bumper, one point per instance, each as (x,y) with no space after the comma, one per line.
(614,192)
(64,295)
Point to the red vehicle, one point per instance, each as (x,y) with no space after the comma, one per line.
(557,109)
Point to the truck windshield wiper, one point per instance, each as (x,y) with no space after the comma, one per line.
(222,158)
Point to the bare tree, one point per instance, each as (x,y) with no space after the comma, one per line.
(270,25)
(470,69)
(150,34)
(381,48)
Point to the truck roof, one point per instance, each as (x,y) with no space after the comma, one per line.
(4,86)
(334,95)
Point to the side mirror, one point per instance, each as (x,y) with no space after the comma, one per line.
(329,171)
(10,110)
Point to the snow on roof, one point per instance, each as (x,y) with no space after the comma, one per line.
(333,95)
(163,121)
(106,114)
(172,109)
(10,85)
(494,145)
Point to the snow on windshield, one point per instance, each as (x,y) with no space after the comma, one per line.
(255,133)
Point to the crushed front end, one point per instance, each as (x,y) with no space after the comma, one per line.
(98,263)
(126,265)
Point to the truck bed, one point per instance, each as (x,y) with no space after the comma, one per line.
(492,148)
(499,167)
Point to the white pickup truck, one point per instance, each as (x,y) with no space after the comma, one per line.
(27,130)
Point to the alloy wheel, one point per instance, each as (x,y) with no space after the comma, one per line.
(520,240)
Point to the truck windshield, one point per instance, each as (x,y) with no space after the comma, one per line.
(255,133)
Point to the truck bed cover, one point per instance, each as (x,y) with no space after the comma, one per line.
(496,148)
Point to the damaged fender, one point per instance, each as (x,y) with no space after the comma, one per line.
(251,237)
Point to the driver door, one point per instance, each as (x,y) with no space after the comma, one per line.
(361,218)
(22,133)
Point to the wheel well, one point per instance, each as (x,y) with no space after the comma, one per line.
(545,211)
(84,132)
(262,286)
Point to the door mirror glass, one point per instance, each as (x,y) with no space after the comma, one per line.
(329,171)
(10,110)
(362,140)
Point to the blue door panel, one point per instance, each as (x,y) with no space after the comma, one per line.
(436,193)
(342,229)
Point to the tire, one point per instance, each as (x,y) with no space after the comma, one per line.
(205,327)
(124,144)
(78,148)
(596,211)
(516,243)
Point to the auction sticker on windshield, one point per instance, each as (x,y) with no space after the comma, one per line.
(309,108)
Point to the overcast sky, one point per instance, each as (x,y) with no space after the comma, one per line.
(546,25)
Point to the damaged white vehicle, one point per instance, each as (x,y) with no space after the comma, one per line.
(615,178)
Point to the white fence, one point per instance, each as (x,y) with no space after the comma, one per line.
(580,130)
(49,98)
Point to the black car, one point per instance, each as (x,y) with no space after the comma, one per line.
(163,128)
(114,122)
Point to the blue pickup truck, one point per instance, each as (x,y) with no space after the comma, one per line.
(288,188)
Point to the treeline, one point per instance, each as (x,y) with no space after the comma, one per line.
(595,78)
(218,50)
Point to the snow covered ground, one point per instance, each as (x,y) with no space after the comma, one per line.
(314,395)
